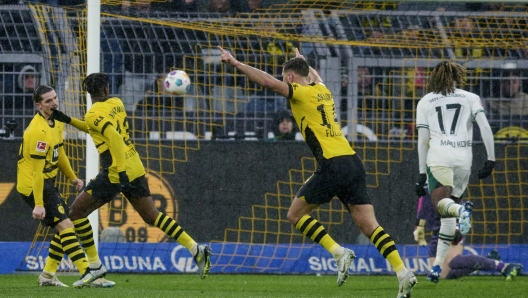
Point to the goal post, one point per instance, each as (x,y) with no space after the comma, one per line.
(93,42)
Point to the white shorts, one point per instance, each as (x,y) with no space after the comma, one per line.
(457,178)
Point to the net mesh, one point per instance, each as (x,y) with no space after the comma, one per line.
(374,57)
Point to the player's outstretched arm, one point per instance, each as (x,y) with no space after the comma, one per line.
(255,75)
(313,76)
(77,123)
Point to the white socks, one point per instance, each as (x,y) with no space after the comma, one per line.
(445,236)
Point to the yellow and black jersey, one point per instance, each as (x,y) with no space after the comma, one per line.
(41,141)
(111,114)
(314,112)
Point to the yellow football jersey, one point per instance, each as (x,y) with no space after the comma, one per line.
(40,141)
(314,112)
(100,117)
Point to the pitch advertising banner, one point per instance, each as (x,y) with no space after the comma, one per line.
(240,258)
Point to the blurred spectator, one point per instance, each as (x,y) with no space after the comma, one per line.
(513,101)
(463,39)
(175,6)
(496,6)
(365,88)
(374,21)
(137,6)
(221,6)
(48,2)
(247,5)
(283,126)
(374,36)
(254,4)
(26,81)
(524,48)
(157,100)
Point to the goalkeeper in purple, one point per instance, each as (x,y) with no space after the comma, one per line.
(444,119)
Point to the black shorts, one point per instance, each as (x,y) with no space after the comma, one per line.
(102,189)
(342,176)
(56,208)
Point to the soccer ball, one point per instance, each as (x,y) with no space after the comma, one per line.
(177,82)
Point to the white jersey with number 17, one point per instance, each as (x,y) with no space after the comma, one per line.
(450,123)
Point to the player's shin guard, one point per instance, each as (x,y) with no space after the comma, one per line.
(445,237)
(312,229)
(70,245)
(387,248)
(84,231)
(169,226)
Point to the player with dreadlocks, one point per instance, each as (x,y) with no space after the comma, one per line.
(121,171)
(444,119)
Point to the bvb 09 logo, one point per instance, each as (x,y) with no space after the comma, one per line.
(120,214)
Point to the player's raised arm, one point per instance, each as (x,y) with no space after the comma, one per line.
(255,75)
(313,76)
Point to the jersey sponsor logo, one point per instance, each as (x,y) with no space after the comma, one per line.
(456,144)
(98,120)
(41,146)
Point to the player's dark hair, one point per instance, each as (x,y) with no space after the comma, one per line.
(298,66)
(96,84)
(41,89)
(444,75)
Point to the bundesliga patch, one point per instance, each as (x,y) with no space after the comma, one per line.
(41,146)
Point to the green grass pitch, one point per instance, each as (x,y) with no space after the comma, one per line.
(242,285)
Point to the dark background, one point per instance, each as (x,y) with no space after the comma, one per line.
(223,179)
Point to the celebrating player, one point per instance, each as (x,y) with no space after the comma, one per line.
(340,171)
(444,119)
(121,171)
(41,156)
(455,264)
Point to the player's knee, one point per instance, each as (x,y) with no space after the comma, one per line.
(292,217)
(443,206)
(149,217)
(74,215)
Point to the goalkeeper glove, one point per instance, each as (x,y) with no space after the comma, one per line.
(419,187)
(419,234)
(60,116)
(487,169)
(124,182)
